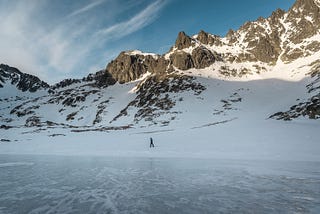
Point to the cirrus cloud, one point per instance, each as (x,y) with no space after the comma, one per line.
(56,45)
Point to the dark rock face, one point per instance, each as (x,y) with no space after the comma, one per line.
(265,50)
(231,36)
(102,79)
(23,82)
(99,79)
(204,38)
(182,60)
(276,15)
(203,58)
(200,58)
(310,109)
(158,66)
(64,83)
(207,39)
(127,67)
(33,121)
(183,41)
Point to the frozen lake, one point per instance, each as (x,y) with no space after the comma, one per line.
(58,184)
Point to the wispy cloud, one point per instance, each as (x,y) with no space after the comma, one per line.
(86,8)
(142,19)
(54,49)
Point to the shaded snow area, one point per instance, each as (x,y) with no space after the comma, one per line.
(58,184)
(230,140)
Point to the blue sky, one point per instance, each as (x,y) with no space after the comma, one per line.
(70,38)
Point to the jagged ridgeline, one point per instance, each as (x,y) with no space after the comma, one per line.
(23,82)
(140,87)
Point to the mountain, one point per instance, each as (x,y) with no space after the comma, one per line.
(22,81)
(267,69)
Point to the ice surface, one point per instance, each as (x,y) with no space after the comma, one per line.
(12,164)
(61,184)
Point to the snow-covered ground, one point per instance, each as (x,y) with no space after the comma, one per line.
(267,140)
(229,120)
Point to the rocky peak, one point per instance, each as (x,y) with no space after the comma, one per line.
(310,6)
(304,21)
(231,36)
(183,41)
(276,15)
(126,67)
(263,38)
(260,39)
(131,65)
(208,39)
(23,82)
(305,10)
(203,37)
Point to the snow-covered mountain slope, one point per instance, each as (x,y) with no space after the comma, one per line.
(268,69)
(10,76)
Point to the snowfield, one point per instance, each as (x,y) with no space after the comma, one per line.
(229,120)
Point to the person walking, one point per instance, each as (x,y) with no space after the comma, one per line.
(151,143)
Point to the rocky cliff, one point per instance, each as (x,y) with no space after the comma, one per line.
(284,36)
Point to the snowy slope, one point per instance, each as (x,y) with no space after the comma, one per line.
(227,120)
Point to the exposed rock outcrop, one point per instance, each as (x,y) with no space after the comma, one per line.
(182,60)
(153,100)
(102,79)
(23,81)
(310,109)
(65,83)
(203,57)
(265,50)
(183,41)
(33,121)
(208,39)
(127,67)
(267,38)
